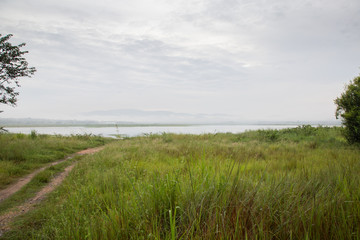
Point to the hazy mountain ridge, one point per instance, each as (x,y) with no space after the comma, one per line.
(161,117)
(52,122)
(18,122)
(136,112)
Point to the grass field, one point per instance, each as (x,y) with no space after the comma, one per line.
(300,183)
(20,154)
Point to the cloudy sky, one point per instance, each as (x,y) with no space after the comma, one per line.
(244,59)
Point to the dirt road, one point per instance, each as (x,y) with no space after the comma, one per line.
(7,218)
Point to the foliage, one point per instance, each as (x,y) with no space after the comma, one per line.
(348,108)
(12,66)
(303,133)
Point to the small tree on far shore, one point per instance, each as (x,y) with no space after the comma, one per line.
(12,66)
(348,109)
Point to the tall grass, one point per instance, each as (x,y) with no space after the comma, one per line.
(20,153)
(301,184)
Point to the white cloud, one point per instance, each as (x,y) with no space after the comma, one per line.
(236,57)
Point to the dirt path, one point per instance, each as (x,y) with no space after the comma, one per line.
(13,188)
(29,204)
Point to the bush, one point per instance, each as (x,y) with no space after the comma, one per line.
(348,108)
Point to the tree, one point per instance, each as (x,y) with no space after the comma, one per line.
(348,108)
(12,66)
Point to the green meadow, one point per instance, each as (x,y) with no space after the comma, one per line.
(300,183)
(20,154)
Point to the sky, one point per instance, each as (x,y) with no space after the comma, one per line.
(239,60)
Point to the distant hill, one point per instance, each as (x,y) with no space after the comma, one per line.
(10,122)
(29,122)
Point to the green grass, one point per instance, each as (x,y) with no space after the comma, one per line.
(20,154)
(35,185)
(300,183)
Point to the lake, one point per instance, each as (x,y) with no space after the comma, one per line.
(132,131)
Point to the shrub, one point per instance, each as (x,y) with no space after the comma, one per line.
(348,109)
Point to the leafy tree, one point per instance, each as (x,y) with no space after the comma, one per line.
(12,66)
(348,108)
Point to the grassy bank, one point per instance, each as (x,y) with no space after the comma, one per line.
(20,154)
(298,183)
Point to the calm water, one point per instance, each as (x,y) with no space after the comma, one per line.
(137,131)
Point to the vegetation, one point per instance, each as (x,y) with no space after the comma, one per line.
(300,183)
(20,154)
(348,108)
(36,184)
(12,66)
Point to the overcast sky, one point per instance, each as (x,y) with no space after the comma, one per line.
(247,59)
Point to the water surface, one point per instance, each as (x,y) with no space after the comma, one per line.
(132,131)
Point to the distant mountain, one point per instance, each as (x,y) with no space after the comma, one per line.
(10,122)
(161,117)
(136,115)
(142,113)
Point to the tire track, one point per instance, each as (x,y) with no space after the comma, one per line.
(13,188)
(7,218)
